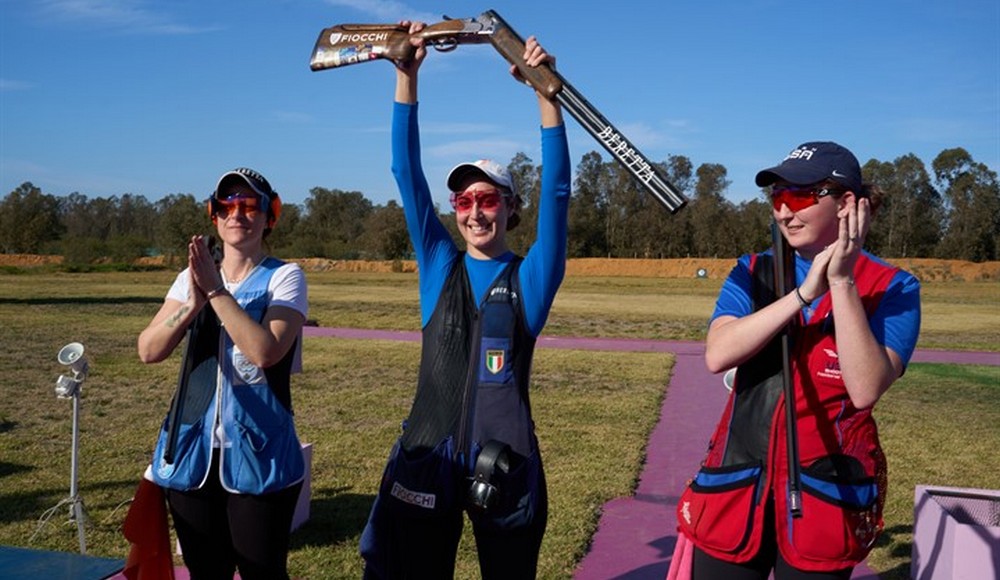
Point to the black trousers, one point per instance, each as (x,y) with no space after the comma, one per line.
(425,548)
(221,531)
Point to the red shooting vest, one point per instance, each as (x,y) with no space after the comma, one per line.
(843,468)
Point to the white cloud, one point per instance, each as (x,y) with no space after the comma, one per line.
(294,117)
(499,149)
(133,16)
(387,11)
(14,85)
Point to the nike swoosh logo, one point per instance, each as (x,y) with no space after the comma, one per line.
(838,174)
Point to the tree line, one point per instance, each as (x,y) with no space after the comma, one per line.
(951,211)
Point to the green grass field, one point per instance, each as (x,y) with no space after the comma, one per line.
(939,423)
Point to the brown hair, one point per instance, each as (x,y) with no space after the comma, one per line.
(871,191)
(874,194)
(515,218)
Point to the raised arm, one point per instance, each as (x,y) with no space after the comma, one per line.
(545,263)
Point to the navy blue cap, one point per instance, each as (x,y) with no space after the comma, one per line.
(814,162)
(249,177)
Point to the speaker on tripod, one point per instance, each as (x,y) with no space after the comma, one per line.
(69,387)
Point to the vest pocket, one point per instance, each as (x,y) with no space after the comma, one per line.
(266,459)
(839,512)
(190,461)
(421,483)
(717,507)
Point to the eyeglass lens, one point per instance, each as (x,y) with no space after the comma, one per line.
(489,200)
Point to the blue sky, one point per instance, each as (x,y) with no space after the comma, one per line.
(107,97)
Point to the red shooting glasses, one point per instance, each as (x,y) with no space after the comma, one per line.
(248,205)
(798,198)
(486,200)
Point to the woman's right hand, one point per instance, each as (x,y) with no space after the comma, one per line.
(410,67)
(815,284)
(406,70)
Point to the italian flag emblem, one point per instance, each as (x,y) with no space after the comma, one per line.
(494,360)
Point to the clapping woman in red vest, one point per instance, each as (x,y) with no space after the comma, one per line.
(855,320)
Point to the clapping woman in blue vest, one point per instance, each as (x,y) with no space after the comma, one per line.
(469,442)
(233,474)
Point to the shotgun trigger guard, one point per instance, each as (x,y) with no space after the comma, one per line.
(444,44)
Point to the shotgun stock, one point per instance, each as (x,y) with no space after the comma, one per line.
(346,44)
(353,43)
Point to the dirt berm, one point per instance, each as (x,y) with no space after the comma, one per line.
(926,269)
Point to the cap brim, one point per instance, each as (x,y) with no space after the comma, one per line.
(229,176)
(460,172)
(796,175)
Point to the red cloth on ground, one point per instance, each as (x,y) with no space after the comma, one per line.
(146,528)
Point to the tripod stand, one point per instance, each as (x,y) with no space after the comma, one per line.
(66,388)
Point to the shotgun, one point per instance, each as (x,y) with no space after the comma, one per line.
(784,281)
(188,365)
(347,44)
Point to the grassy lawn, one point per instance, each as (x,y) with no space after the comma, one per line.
(939,424)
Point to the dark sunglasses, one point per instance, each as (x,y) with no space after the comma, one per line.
(799,198)
(486,200)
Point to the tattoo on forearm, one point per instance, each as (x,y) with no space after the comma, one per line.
(175,317)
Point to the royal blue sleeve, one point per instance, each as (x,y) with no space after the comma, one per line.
(545,263)
(432,243)
(896,322)
(734,297)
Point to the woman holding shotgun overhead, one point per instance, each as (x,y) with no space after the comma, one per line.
(233,472)
(469,442)
(853,322)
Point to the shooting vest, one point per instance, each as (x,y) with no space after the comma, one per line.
(472,389)
(745,473)
(474,369)
(249,407)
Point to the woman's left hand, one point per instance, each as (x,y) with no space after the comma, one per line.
(534,55)
(204,271)
(854,222)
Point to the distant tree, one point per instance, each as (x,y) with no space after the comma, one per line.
(527,181)
(333,223)
(281,241)
(625,206)
(645,221)
(751,228)
(908,223)
(135,217)
(181,216)
(972,196)
(28,220)
(711,214)
(588,208)
(88,225)
(385,236)
(674,232)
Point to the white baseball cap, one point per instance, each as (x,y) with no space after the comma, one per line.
(492,170)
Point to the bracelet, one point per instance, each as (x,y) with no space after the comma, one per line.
(842,282)
(217,292)
(802,301)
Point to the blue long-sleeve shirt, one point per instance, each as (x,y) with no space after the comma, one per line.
(544,266)
(895,323)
